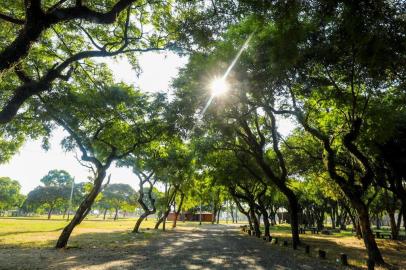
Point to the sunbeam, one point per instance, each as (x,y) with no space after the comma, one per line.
(219,85)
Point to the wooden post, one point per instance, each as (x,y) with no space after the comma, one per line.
(344,259)
(322,254)
(307,249)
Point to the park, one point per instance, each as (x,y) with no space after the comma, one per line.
(223,134)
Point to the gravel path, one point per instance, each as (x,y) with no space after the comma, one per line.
(207,247)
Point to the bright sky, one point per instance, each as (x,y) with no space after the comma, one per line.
(32,163)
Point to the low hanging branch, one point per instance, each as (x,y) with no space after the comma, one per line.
(37,20)
(35,23)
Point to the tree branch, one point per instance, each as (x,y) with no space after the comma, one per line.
(11,19)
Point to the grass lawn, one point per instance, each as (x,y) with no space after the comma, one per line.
(394,252)
(38,232)
(93,234)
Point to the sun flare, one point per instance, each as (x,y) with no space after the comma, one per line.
(219,86)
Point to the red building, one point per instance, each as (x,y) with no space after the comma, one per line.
(206,216)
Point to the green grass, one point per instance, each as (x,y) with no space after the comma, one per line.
(38,232)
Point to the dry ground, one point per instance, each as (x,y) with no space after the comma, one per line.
(95,244)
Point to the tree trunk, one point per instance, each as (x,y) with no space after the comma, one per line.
(232,213)
(393,225)
(161,219)
(218,215)
(104,214)
(139,221)
(178,211)
(257,230)
(116,214)
(83,209)
(213,215)
(64,212)
(320,220)
(374,253)
(333,217)
(294,217)
(267,225)
(50,212)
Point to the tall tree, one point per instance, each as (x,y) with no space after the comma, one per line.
(105,124)
(10,196)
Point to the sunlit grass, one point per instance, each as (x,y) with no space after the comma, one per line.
(38,232)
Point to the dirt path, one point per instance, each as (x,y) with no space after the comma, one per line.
(208,247)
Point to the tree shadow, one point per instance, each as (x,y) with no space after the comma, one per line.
(205,247)
(26,232)
(394,252)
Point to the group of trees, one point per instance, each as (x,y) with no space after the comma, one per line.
(10,196)
(59,194)
(334,71)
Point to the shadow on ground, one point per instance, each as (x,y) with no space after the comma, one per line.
(208,247)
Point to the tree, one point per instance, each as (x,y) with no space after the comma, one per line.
(118,196)
(321,69)
(10,196)
(48,197)
(57,178)
(235,123)
(46,42)
(105,124)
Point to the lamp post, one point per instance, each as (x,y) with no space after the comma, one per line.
(71,196)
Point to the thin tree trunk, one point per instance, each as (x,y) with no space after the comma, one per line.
(116,214)
(64,213)
(104,215)
(232,213)
(182,196)
(50,212)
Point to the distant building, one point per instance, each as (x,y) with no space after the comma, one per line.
(206,216)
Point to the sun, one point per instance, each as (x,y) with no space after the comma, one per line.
(219,86)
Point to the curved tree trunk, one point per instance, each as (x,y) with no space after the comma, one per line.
(83,209)
(116,214)
(140,200)
(161,219)
(255,223)
(265,216)
(367,234)
(182,196)
(139,221)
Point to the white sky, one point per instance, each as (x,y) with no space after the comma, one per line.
(32,162)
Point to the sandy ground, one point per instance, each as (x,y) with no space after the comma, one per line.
(206,247)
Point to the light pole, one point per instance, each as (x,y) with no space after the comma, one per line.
(166,203)
(200,216)
(71,196)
